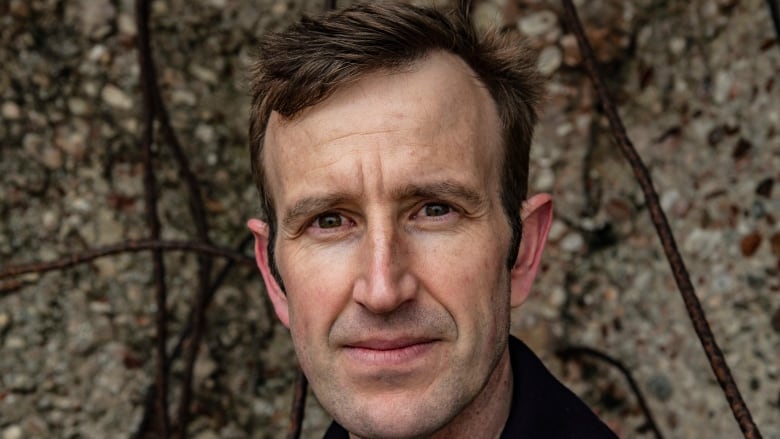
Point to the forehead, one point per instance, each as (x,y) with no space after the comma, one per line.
(434,112)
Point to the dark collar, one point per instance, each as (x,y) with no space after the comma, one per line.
(542,407)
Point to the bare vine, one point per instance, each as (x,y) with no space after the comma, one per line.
(681,276)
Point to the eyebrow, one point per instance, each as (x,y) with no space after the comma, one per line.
(443,189)
(305,207)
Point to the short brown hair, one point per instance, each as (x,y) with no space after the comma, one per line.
(305,64)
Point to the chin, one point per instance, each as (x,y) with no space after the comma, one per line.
(392,429)
(396,421)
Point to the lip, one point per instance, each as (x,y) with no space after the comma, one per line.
(389,352)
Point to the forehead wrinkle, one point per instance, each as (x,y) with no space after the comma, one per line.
(366,133)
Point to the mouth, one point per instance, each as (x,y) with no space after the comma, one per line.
(389,352)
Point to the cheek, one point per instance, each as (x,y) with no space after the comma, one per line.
(467,275)
(318,285)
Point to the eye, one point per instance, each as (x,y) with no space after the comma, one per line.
(330,220)
(436,209)
(436,215)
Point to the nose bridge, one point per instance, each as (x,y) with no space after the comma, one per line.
(383,258)
(386,282)
(381,246)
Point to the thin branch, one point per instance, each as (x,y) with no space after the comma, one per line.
(198,212)
(199,318)
(299,405)
(11,286)
(572,351)
(681,276)
(152,219)
(130,246)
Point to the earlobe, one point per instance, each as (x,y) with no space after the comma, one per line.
(537,217)
(275,293)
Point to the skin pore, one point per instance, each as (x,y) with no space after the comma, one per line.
(392,243)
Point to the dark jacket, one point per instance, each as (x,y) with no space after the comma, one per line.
(541,406)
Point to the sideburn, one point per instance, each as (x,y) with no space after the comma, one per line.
(516,224)
(271,251)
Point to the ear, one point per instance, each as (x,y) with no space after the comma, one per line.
(537,217)
(278,298)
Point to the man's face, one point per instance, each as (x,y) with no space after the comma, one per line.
(391,244)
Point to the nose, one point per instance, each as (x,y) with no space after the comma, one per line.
(386,282)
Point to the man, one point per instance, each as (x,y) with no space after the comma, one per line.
(390,147)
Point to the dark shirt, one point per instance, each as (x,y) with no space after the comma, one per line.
(541,406)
